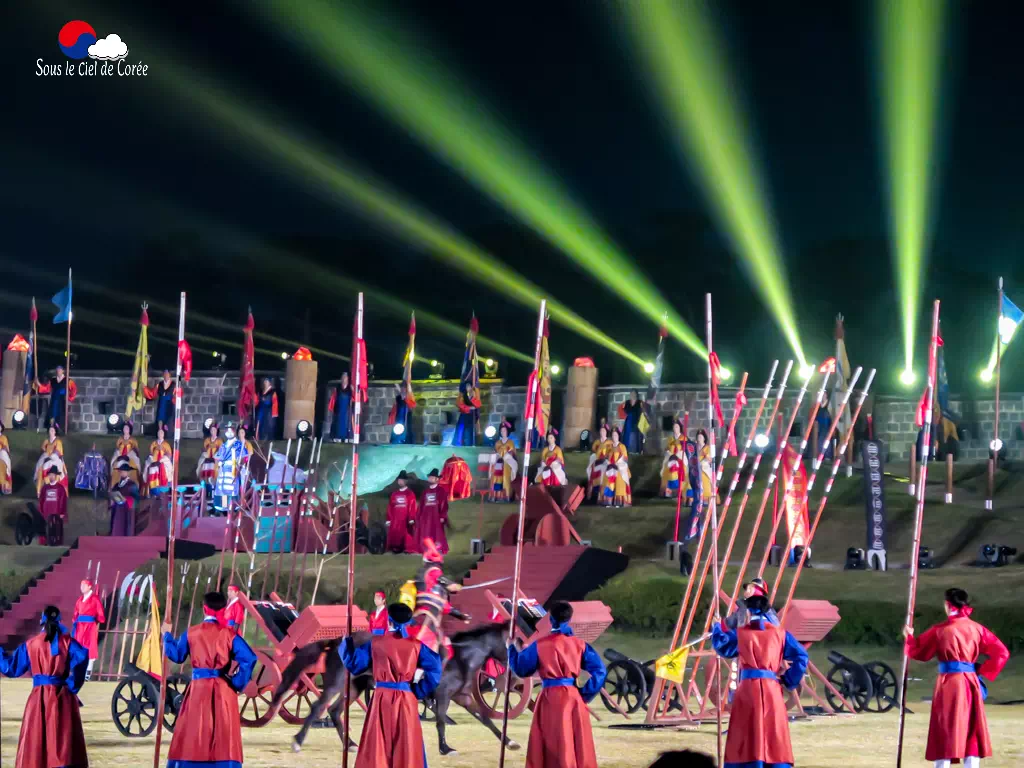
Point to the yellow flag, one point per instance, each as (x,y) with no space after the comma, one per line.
(151,656)
(671,665)
(407,595)
(140,372)
(644,424)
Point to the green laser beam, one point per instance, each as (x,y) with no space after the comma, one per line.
(430,102)
(300,158)
(690,77)
(910,36)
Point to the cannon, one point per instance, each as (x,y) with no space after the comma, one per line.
(133,705)
(870,687)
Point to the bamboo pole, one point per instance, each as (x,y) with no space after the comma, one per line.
(731,431)
(192,600)
(847,439)
(172,528)
(67,369)
(918,522)
(109,610)
(949,478)
(530,413)
(181,594)
(294,499)
(995,423)
(327,540)
(300,507)
(277,510)
(912,488)
(127,620)
(305,555)
(358,385)
(714,608)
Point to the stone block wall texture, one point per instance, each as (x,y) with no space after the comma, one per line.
(212,395)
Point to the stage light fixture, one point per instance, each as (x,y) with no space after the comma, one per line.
(556,369)
(491,368)
(585,440)
(490,434)
(433,363)
(436,370)
(19,420)
(304,429)
(806,371)
(855,560)
(761,441)
(907,377)
(725,374)
(284,355)
(986,375)
(648,367)
(114,423)
(398,429)
(996,445)
(925,558)
(209,422)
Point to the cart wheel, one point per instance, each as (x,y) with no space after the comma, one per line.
(24,529)
(176,687)
(133,707)
(297,705)
(255,707)
(853,682)
(492,698)
(886,689)
(625,685)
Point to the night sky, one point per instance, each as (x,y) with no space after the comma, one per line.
(118,179)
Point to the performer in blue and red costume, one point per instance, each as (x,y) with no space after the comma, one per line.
(51,725)
(560,736)
(266,412)
(379,618)
(233,615)
(208,732)
(758,726)
(340,408)
(958,729)
(392,735)
(85,623)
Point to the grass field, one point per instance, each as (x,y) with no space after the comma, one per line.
(865,741)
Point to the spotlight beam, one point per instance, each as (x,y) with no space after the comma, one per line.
(300,158)
(429,100)
(910,36)
(692,83)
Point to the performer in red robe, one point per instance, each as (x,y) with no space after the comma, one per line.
(208,731)
(958,729)
(758,727)
(51,725)
(392,735)
(379,617)
(53,506)
(85,624)
(560,736)
(234,612)
(432,516)
(401,517)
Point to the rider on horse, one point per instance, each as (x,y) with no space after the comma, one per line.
(432,590)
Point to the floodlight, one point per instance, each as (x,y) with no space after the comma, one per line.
(284,355)
(724,374)
(986,375)
(907,377)
(114,423)
(304,429)
(806,371)
(648,367)
(761,440)
(19,420)
(556,369)
(398,429)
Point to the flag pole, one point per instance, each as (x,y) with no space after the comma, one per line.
(357,366)
(995,426)
(67,370)
(715,576)
(531,408)
(34,315)
(918,522)
(171,533)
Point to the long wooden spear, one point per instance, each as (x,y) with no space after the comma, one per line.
(918,522)
(357,366)
(171,530)
(714,609)
(310,499)
(530,412)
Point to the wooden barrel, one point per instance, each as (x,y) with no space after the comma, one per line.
(580,404)
(300,395)
(12,384)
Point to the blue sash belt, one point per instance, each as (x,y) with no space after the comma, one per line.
(378,632)
(558,682)
(394,686)
(204,673)
(38,680)
(963,668)
(758,674)
(85,619)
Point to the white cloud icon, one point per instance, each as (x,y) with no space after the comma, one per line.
(110,48)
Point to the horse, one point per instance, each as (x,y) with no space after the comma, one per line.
(470,650)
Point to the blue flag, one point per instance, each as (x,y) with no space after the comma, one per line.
(1010,316)
(62,300)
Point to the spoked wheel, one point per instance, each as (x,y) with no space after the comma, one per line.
(853,683)
(625,685)
(886,689)
(255,711)
(133,707)
(176,687)
(491,698)
(297,705)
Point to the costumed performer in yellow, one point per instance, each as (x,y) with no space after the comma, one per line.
(5,463)
(206,470)
(504,466)
(707,469)
(673,466)
(617,492)
(599,451)
(127,448)
(52,456)
(158,470)
(551,470)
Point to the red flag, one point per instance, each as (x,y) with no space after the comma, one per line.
(144,319)
(33,314)
(716,368)
(184,354)
(829,366)
(358,353)
(247,380)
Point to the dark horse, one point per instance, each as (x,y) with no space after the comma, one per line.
(470,651)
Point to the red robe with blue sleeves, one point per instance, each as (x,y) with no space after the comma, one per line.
(85,626)
(233,615)
(208,731)
(758,727)
(958,727)
(392,734)
(560,736)
(51,726)
(379,621)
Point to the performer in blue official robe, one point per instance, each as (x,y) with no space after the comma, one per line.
(266,412)
(61,391)
(823,420)
(231,459)
(630,413)
(469,413)
(341,406)
(163,393)
(401,413)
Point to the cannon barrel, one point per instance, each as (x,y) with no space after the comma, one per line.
(612,655)
(839,659)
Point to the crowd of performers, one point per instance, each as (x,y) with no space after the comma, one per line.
(413,520)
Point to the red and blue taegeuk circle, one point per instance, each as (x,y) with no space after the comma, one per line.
(75,38)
